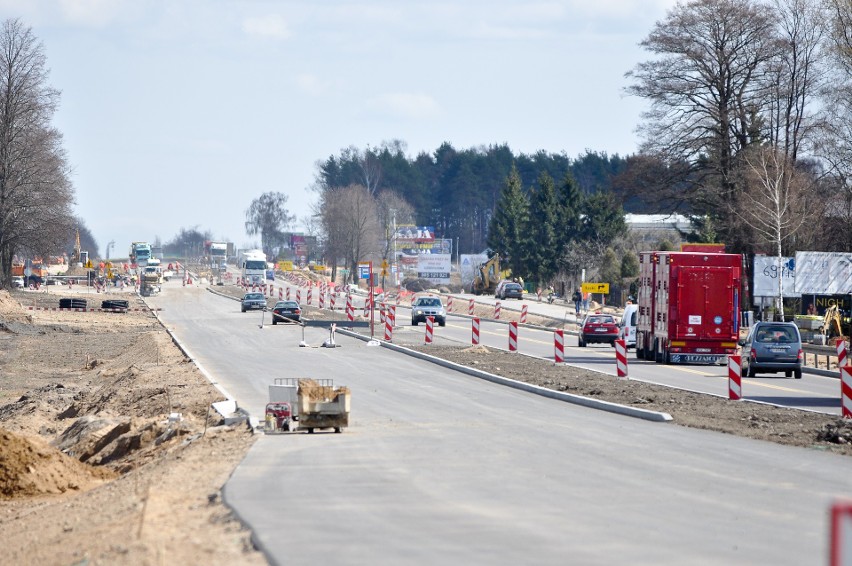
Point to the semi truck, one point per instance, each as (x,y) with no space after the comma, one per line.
(140,253)
(688,306)
(218,254)
(306,404)
(252,265)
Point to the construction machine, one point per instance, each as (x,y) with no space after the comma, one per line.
(306,404)
(488,275)
(832,324)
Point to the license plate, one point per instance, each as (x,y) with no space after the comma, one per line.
(778,350)
(600,329)
(695,358)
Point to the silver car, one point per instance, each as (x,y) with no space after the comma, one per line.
(253,301)
(428,306)
(772,347)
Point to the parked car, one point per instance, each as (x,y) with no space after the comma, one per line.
(286,311)
(253,301)
(18,282)
(598,328)
(771,347)
(424,307)
(510,290)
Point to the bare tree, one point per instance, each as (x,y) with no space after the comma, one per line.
(773,202)
(35,191)
(351,225)
(392,210)
(268,216)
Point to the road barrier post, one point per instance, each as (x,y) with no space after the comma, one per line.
(449,303)
(474,330)
(299,296)
(430,327)
(322,298)
(842,358)
(388,329)
(846,392)
(559,346)
(513,336)
(350,311)
(735,377)
(497,310)
(620,358)
(332,299)
(280,293)
(470,305)
(310,293)
(523,314)
(287,293)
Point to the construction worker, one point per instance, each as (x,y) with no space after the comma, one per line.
(577,297)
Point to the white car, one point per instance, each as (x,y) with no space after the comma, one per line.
(627,326)
(18,282)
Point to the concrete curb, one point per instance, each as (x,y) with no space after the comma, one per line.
(535,389)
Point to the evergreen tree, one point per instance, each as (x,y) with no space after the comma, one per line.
(509,224)
(542,244)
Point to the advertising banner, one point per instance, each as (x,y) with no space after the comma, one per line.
(434,267)
(767,270)
(469,263)
(823,273)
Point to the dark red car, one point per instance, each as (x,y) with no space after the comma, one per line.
(598,328)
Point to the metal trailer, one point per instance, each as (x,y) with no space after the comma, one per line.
(306,404)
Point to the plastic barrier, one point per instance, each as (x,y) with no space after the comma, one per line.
(735,377)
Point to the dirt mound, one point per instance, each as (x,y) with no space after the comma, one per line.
(478,349)
(29,468)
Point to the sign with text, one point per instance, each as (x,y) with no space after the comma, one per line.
(767,270)
(596,288)
(434,267)
(823,273)
(364,271)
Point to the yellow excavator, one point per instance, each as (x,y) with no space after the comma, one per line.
(488,275)
(832,324)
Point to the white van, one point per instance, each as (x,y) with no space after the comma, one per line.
(627,326)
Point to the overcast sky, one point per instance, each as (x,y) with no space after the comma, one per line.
(178,113)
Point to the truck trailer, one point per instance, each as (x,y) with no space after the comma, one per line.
(688,306)
(306,404)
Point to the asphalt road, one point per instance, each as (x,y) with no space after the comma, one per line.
(439,467)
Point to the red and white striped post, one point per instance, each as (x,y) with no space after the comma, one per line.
(430,328)
(497,310)
(474,330)
(280,293)
(470,305)
(299,296)
(735,377)
(842,359)
(523,314)
(287,294)
(559,346)
(388,329)
(620,358)
(310,293)
(322,298)
(846,392)
(449,303)
(367,305)
(331,299)
(382,312)
(350,311)
(393,315)
(513,336)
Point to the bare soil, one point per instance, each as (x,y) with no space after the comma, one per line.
(93,470)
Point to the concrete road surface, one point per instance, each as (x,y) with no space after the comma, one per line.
(439,467)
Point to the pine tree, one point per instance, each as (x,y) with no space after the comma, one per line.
(542,242)
(506,231)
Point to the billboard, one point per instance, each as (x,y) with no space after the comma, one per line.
(767,270)
(823,273)
(469,263)
(434,267)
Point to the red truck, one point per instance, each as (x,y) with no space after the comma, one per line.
(688,306)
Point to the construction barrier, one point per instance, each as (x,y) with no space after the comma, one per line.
(474,330)
(310,294)
(430,328)
(621,358)
(841,353)
(846,392)
(287,294)
(497,310)
(367,306)
(350,311)
(559,346)
(388,329)
(449,303)
(331,299)
(299,296)
(735,377)
(280,293)
(470,307)
(392,312)
(322,298)
(513,336)
(523,314)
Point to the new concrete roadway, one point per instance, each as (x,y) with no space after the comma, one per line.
(442,468)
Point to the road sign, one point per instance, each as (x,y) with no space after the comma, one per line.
(89,264)
(596,288)
(384,265)
(363,271)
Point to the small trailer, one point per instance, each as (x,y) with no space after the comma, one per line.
(297,404)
